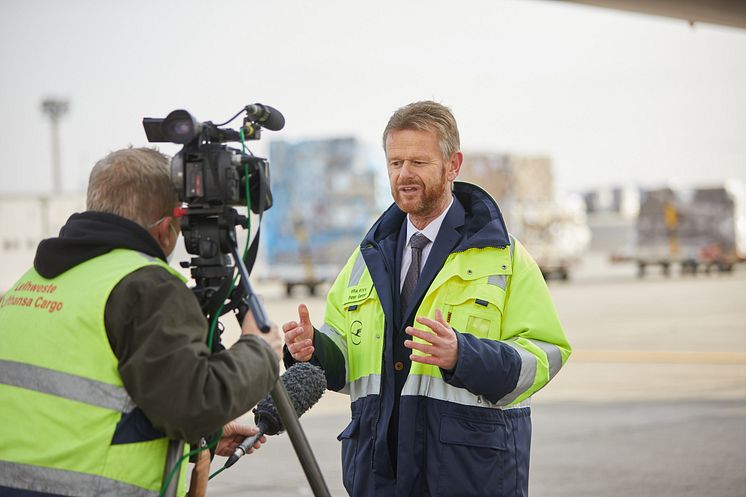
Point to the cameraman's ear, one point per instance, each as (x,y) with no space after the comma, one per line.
(163,236)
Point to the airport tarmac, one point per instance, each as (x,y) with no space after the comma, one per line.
(651,403)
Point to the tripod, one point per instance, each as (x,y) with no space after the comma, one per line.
(211,233)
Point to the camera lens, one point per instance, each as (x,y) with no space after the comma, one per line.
(181,127)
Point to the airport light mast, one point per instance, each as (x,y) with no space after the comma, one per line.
(55,108)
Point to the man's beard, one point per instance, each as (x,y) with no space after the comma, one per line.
(429,199)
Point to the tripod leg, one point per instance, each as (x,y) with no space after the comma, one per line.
(175,451)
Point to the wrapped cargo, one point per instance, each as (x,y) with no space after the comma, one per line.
(325,198)
(704,226)
(555,231)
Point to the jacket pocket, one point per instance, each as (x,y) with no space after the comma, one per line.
(349,439)
(471,457)
(477,310)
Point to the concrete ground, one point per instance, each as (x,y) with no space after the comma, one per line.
(652,402)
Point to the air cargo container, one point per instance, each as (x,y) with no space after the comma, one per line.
(325,199)
(554,229)
(695,228)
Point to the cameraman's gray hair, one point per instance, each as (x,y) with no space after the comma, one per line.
(133,183)
(427,116)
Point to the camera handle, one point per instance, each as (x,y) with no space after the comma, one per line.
(280,395)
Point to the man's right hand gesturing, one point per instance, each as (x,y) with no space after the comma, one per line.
(299,336)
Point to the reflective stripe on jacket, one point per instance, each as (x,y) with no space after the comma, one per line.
(470,291)
(69,427)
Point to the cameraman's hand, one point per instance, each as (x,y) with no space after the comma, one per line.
(273,338)
(233,434)
(299,336)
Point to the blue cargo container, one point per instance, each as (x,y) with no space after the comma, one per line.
(325,198)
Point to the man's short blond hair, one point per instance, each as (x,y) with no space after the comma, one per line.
(133,183)
(427,116)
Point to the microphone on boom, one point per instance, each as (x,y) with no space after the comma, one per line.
(305,384)
(269,117)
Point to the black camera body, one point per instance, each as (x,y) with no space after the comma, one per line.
(209,175)
(205,172)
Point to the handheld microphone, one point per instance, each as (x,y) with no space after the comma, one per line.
(269,117)
(305,384)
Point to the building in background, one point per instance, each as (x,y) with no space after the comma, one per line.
(25,220)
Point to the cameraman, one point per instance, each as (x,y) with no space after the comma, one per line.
(104,355)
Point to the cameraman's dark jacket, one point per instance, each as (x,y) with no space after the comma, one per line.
(158,334)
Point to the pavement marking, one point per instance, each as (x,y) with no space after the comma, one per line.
(658,356)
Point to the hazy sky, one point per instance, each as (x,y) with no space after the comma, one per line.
(612,97)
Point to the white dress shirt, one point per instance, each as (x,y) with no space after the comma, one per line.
(431,232)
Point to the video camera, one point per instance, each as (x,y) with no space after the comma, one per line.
(211,178)
(205,172)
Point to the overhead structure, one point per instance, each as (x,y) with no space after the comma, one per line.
(724,12)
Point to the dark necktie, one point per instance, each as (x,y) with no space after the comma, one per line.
(417,242)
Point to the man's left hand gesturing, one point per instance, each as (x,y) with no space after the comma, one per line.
(442,346)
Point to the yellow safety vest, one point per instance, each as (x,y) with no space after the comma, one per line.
(60,390)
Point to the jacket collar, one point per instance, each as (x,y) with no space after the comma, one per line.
(479,215)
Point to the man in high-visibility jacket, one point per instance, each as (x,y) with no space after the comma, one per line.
(440,327)
(104,355)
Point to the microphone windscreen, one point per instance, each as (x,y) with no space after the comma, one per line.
(266,115)
(305,384)
(275,121)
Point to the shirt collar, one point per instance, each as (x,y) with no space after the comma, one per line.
(432,229)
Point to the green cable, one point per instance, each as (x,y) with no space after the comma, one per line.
(246,247)
(215,318)
(213,326)
(189,454)
(248,194)
(216,473)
